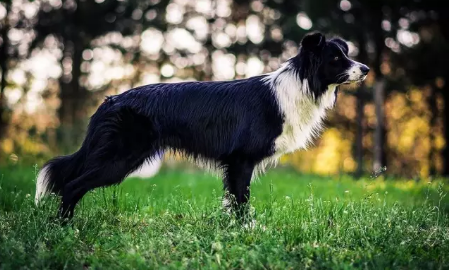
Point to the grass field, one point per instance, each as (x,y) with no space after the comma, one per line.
(175,220)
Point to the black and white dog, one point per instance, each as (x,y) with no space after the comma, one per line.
(237,125)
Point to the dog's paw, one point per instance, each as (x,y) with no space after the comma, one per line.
(250,224)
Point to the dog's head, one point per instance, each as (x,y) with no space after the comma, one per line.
(326,62)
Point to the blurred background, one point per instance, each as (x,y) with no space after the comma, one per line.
(60,58)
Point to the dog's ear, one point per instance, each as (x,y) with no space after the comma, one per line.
(313,42)
(342,44)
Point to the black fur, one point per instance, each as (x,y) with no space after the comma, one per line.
(233,124)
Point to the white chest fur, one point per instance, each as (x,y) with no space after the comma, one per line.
(303,115)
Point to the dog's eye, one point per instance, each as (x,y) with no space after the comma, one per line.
(336,58)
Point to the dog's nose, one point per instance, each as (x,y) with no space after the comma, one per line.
(364,69)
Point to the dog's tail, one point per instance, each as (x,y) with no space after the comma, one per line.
(56,172)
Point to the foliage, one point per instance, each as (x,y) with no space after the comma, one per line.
(175,221)
(64,57)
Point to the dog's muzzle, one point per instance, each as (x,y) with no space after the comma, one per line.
(357,72)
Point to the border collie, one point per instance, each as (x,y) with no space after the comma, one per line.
(238,126)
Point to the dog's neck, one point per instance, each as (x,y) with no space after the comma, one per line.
(303,114)
(289,86)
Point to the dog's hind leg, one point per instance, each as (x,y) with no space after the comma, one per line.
(116,145)
(72,194)
(103,175)
(237,179)
(106,165)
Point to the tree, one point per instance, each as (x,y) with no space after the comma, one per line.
(425,64)
(76,24)
(4,59)
(10,54)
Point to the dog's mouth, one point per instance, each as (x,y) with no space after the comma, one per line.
(359,80)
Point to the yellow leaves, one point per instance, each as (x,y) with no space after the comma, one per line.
(439,142)
(411,130)
(396,106)
(331,155)
(409,133)
(7,145)
(407,119)
(347,106)
(283,160)
(349,164)
(30,146)
(415,96)
(328,159)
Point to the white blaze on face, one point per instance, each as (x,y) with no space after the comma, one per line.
(355,72)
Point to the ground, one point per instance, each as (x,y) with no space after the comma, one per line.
(175,220)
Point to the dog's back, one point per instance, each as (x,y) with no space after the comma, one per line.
(209,119)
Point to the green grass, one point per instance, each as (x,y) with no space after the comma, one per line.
(175,220)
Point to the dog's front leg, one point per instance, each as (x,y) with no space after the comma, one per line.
(237,179)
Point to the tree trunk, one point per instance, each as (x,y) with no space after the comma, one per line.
(207,72)
(379,131)
(432,103)
(4,118)
(379,91)
(445,153)
(359,134)
(73,97)
(72,111)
